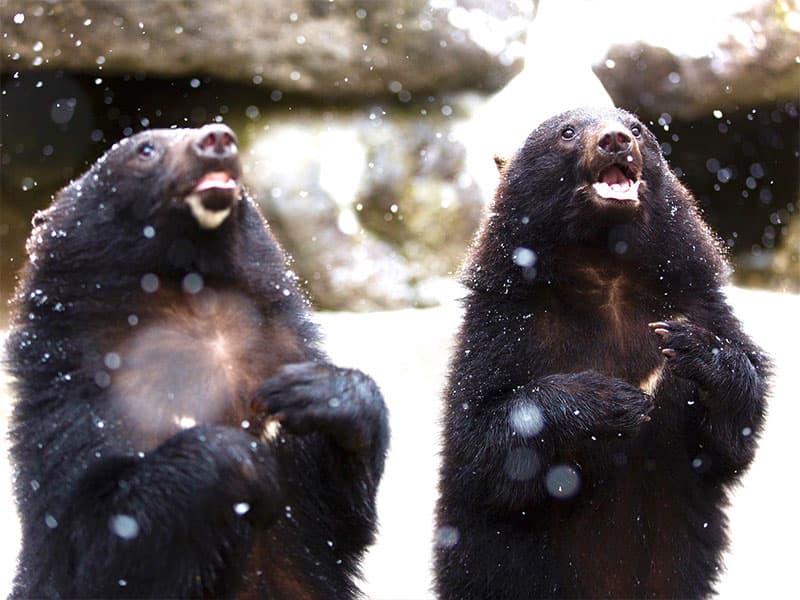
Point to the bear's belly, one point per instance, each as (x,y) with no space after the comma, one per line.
(195,361)
(644,535)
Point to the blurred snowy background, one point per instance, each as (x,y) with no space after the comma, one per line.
(368,129)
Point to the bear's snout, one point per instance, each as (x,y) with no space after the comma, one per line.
(614,140)
(215,169)
(216,142)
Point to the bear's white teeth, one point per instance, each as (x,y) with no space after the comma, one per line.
(614,184)
(218,180)
(206,218)
(627,190)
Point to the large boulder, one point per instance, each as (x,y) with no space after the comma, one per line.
(320,48)
(689,65)
(299,170)
(417,194)
(375,206)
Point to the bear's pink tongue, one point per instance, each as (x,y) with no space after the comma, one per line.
(215,180)
(615,185)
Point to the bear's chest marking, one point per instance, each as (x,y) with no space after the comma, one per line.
(649,384)
(599,321)
(609,293)
(196,360)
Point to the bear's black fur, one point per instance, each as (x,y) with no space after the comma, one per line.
(601,397)
(157,338)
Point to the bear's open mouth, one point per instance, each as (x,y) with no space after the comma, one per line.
(212,198)
(619,183)
(216,180)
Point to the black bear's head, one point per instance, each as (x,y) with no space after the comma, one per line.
(583,170)
(161,199)
(174,173)
(594,181)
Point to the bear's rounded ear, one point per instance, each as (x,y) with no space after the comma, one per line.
(39,218)
(500,163)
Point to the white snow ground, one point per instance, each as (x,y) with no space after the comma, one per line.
(407,353)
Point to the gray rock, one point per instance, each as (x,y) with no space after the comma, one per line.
(777,269)
(374,209)
(748,58)
(417,193)
(322,48)
(300,171)
(786,265)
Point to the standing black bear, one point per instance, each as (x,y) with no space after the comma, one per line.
(602,396)
(157,338)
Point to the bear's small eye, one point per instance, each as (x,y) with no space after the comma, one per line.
(568,133)
(636,130)
(146,150)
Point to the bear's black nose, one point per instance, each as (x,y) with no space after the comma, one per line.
(614,140)
(216,141)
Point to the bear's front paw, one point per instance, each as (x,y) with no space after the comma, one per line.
(315,397)
(623,408)
(251,484)
(629,411)
(690,349)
